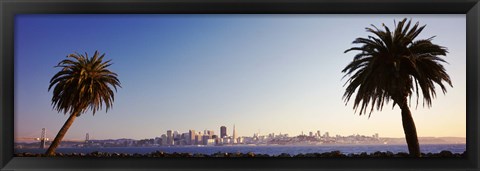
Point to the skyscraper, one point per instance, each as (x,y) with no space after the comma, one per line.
(198,139)
(192,137)
(164,139)
(169,137)
(223,131)
(234,135)
(175,134)
(211,132)
(205,139)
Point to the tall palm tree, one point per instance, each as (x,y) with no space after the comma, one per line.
(83,83)
(391,66)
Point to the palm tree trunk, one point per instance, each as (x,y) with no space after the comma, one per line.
(410,130)
(61,134)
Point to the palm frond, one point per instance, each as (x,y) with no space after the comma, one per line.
(83,83)
(393,65)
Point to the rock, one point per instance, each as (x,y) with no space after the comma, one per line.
(445,154)
(198,155)
(262,155)
(219,154)
(336,154)
(158,154)
(299,155)
(237,154)
(250,154)
(402,154)
(96,154)
(377,154)
(364,154)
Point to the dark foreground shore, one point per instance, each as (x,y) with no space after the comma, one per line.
(160,154)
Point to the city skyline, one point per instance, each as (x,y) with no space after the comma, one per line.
(43,135)
(262,73)
(173,137)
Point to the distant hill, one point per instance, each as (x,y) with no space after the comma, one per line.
(428,140)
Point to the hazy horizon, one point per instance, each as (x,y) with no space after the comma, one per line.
(262,73)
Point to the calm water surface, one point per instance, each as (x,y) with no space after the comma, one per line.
(271,150)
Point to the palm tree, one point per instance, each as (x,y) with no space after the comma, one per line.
(391,66)
(83,83)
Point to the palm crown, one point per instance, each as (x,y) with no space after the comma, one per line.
(83,82)
(393,66)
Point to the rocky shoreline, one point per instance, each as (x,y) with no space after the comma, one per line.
(333,154)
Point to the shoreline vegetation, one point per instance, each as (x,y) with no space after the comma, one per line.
(161,154)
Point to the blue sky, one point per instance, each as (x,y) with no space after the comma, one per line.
(263,73)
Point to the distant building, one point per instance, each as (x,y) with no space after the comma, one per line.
(177,141)
(211,133)
(226,140)
(184,138)
(158,141)
(169,137)
(208,132)
(192,134)
(223,131)
(176,134)
(164,139)
(310,134)
(210,142)
(205,139)
(234,135)
(239,140)
(198,139)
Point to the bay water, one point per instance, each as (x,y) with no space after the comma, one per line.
(266,149)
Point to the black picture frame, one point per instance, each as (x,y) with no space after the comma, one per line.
(9,8)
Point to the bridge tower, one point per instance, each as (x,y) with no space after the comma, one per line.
(43,137)
(87,138)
